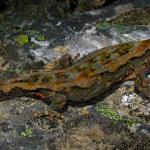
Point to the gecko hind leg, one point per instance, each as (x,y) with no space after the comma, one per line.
(142,83)
(56,101)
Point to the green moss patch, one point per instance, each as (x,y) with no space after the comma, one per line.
(107,25)
(28,132)
(40,38)
(108,112)
(22,39)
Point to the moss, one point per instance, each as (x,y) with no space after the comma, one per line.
(40,38)
(103,25)
(27,133)
(22,39)
(108,112)
(106,25)
(120,27)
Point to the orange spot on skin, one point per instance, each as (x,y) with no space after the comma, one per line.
(41,95)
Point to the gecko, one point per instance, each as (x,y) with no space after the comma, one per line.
(88,79)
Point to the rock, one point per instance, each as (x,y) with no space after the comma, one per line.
(134,17)
(82,128)
(57,8)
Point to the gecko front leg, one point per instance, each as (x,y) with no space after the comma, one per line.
(58,101)
(142,83)
(57,104)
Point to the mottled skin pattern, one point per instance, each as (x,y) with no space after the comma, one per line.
(88,79)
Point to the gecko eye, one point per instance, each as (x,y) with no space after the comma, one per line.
(147,77)
(147,74)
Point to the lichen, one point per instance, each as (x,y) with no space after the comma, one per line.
(28,132)
(22,39)
(108,112)
(103,25)
(40,38)
(106,25)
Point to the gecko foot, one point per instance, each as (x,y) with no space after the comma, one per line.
(58,102)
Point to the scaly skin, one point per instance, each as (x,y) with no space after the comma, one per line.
(88,79)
